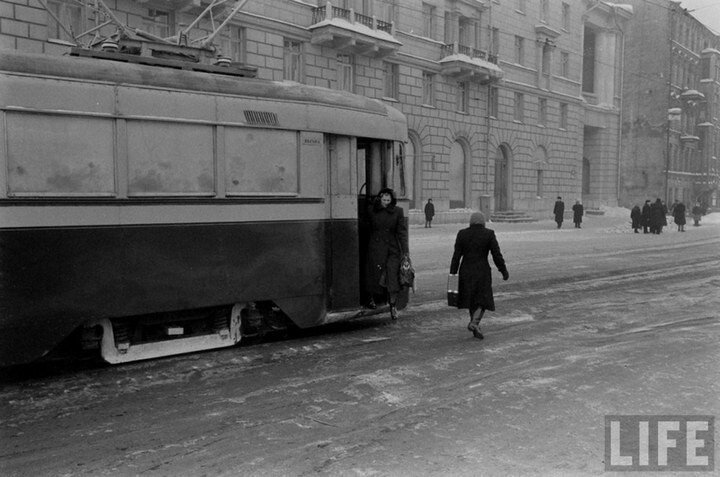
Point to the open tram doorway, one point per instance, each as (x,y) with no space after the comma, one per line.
(502,179)
(380,164)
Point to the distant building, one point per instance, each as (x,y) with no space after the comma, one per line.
(510,103)
(671,107)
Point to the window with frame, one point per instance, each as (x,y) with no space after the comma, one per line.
(292,60)
(563,115)
(392,80)
(345,73)
(70,16)
(466,32)
(428,83)
(519,112)
(495,41)
(542,111)
(519,50)
(232,43)
(493,102)
(539,183)
(565,64)
(544,10)
(545,64)
(428,12)
(391,11)
(461,102)
(449,30)
(566,16)
(158,22)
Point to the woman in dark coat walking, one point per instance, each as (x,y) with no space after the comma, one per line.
(472,246)
(388,243)
(679,215)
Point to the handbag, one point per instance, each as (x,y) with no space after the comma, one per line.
(453,293)
(407,273)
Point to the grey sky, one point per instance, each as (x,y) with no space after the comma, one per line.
(707,11)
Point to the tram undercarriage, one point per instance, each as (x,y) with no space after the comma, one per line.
(165,334)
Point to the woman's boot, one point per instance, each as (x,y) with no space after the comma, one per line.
(474,324)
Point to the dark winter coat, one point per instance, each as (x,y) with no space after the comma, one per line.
(646,214)
(387,244)
(472,246)
(657,215)
(577,213)
(679,213)
(559,211)
(635,216)
(429,211)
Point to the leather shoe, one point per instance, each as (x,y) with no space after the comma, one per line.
(371,304)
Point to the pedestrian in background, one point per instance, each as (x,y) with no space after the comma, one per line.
(646,216)
(559,211)
(696,213)
(678,212)
(388,243)
(577,214)
(470,260)
(635,218)
(657,217)
(429,213)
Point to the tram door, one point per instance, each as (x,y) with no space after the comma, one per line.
(376,169)
(342,237)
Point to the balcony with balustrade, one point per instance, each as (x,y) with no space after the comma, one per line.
(350,32)
(465,63)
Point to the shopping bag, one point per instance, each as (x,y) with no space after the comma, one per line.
(452,289)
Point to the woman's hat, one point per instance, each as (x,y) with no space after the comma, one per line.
(477,218)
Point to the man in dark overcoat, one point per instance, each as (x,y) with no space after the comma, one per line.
(635,217)
(577,213)
(429,213)
(472,246)
(559,211)
(657,217)
(646,216)
(387,244)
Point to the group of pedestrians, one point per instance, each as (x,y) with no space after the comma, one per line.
(559,213)
(653,216)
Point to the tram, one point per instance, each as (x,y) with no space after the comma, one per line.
(147,211)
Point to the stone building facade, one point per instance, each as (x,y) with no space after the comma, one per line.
(509,104)
(671,109)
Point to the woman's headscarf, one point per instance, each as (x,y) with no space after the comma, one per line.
(477,218)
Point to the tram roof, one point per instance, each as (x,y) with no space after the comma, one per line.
(122,73)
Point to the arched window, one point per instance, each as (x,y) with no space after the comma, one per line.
(456,180)
(586,176)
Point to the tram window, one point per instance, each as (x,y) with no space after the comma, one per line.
(261,161)
(166,158)
(59,155)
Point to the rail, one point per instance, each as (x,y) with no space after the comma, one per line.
(329,12)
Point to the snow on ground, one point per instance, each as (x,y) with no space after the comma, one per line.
(711,218)
(615,211)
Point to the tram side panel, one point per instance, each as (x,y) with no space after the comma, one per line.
(56,278)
